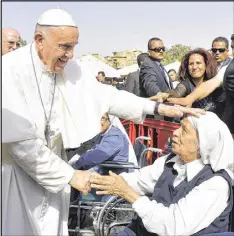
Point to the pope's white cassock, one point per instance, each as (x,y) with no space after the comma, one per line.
(35,190)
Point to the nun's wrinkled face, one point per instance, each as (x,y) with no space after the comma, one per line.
(56,46)
(105,123)
(185,142)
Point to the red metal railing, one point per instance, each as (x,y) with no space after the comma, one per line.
(158,130)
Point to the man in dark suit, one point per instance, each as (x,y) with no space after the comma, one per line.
(228,84)
(153,76)
(132,81)
(219,50)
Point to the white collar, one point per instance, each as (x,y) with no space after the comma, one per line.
(190,170)
(39,65)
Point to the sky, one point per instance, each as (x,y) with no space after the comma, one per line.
(105,27)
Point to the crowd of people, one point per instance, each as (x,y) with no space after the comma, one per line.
(197,67)
(53,139)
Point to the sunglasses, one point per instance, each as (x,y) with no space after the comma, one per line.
(158,49)
(221,50)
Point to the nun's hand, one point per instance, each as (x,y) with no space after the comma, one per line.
(113,185)
(179,111)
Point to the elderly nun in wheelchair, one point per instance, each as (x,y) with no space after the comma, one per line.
(111,144)
(191,188)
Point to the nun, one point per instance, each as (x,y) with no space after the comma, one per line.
(111,145)
(191,188)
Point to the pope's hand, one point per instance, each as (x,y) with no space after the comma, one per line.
(81,181)
(179,111)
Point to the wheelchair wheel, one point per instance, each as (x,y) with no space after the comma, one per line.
(114,216)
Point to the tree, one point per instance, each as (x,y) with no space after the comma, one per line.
(175,53)
(23,42)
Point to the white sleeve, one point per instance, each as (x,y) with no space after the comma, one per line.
(39,162)
(220,75)
(190,214)
(124,104)
(144,180)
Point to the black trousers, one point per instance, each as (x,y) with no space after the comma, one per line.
(228,114)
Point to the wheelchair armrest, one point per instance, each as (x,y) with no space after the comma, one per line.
(119,165)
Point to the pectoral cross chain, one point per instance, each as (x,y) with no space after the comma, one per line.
(47,132)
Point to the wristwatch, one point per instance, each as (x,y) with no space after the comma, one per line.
(156,108)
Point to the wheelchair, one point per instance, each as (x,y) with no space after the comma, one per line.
(90,217)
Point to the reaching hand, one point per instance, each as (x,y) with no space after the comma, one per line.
(109,185)
(179,111)
(81,181)
(113,185)
(181,101)
(160,97)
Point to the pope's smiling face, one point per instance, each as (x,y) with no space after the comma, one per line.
(56,45)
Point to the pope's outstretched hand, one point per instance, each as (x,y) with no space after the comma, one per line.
(179,111)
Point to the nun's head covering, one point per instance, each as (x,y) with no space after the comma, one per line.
(116,122)
(56,17)
(215,142)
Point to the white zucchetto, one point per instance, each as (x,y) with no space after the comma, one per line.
(56,17)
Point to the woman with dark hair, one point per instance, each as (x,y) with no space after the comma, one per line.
(196,67)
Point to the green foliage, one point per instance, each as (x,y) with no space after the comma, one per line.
(23,42)
(175,53)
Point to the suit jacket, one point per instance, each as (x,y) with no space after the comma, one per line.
(132,83)
(152,80)
(219,95)
(226,62)
(228,84)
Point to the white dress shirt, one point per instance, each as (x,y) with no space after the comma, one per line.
(165,73)
(196,211)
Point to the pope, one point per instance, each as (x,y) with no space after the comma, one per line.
(50,103)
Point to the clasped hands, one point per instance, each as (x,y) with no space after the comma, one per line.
(106,185)
(85,180)
(81,181)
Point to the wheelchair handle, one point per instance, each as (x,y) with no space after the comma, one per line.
(143,138)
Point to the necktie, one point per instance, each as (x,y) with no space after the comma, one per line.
(165,74)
